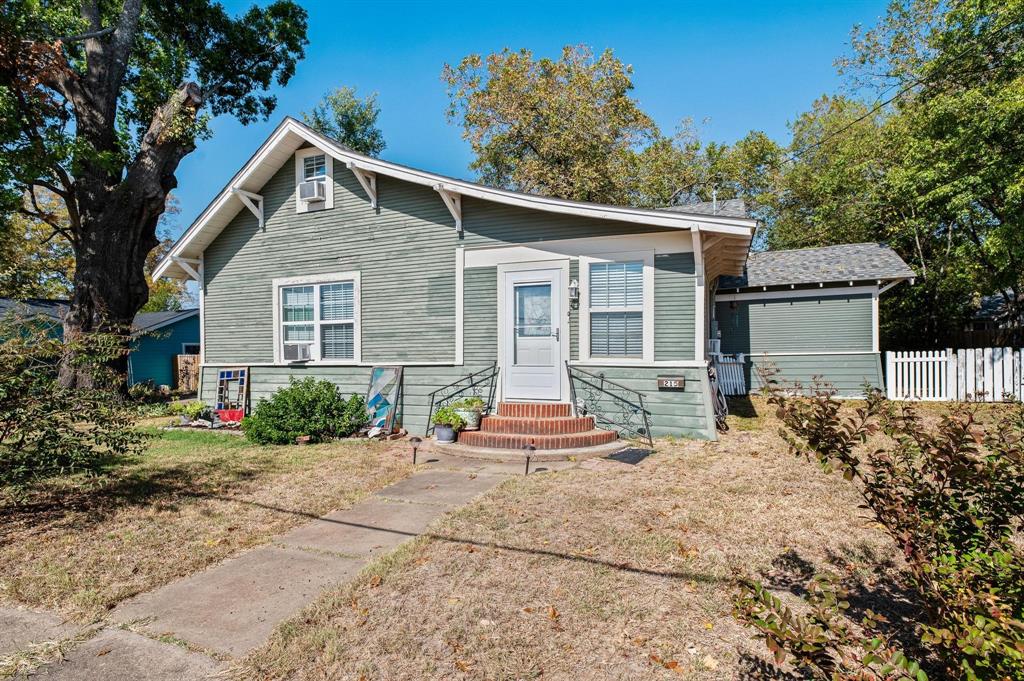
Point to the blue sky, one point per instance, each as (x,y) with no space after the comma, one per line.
(731,67)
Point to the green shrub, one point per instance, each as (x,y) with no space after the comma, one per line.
(306,407)
(47,429)
(193,409)
(446,416)
(951,497)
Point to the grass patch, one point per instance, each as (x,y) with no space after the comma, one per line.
(620,573)
(81,545)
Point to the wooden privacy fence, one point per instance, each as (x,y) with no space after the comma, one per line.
(186,373)
(975,374)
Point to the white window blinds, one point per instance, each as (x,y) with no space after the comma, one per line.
(616,309)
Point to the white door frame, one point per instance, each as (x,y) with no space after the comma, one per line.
(563,321)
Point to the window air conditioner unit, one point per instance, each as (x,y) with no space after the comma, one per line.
(312,190)
(297,353)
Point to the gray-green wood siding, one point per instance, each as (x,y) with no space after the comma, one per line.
(404,251)
(828,322)
(674,303)
(480,315)
(678,413)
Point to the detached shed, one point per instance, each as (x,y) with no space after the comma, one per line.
(809,313)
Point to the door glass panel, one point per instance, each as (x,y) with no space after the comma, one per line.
(533,324)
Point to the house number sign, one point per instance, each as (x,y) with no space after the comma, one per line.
(671,382)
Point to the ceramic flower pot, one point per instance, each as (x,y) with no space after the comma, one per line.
(471,417)
(444,433)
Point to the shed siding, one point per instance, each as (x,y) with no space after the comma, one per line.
(674,302)
(846,373)
(152,355)
(828,322)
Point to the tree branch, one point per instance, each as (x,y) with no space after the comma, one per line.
(91,35)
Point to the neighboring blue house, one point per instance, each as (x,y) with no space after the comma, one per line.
(159,336)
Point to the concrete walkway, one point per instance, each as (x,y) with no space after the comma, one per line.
(234,606)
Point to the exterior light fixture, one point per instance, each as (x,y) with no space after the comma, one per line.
(574,291)
(415,442)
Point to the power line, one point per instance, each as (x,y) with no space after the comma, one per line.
(794,155)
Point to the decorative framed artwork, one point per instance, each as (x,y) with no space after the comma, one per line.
(384,397)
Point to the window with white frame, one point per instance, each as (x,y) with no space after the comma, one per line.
(314,167)
(318,321)
(616,309)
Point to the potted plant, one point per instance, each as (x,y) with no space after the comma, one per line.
(446,424)
(469,410)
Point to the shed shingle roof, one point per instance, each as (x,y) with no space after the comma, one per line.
(730,208)
(56,309)
(846,262)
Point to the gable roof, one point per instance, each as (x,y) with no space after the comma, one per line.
(56,309)
(292,134)
(827,264)
(35,307)
(731,208)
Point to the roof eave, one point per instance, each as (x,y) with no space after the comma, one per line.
(167,267)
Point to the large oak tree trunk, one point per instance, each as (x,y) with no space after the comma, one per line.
(118,221)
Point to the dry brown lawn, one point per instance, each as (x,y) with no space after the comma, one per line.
(623,572)
(80,546)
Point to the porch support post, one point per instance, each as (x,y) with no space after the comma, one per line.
(700,303)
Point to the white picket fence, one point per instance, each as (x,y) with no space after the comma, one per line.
(974,374)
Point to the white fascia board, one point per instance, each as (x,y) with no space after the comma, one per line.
(743,227)
(834,292)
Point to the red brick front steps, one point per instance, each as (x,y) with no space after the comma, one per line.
(543,425)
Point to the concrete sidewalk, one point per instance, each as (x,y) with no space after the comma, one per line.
(234,606)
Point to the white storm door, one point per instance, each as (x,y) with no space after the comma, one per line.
(532,334)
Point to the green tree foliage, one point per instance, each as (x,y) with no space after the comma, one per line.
(307,407)
(48,429)
(565,127)
(352,121)
(936,169)
(569,128)
(950,498)
(35,260)
(100,101)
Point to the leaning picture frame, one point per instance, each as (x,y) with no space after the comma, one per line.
(383,398)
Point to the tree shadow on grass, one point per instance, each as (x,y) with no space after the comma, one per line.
(91,501)
(874,581)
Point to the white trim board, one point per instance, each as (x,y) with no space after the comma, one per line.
(292,134)
(834,292)
(810,353)
(656,242)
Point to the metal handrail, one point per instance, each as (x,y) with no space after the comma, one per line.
(630,408)
(478,378)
